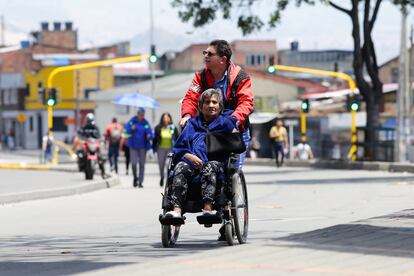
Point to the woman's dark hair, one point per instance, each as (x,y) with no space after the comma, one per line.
(169,116)
(223,48)
(207,94)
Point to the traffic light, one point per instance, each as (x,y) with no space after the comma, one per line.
(305,106)
(153,57)
(52,97)
(271,68)
(353,103)
(41,93)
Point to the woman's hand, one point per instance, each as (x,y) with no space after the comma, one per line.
(197,162)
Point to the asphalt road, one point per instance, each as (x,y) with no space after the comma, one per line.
(118,226)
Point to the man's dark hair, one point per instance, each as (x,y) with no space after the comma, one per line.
(223,48)
(114,120)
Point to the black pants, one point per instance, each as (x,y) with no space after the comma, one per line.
(125,148)
(279,149)
(183,174)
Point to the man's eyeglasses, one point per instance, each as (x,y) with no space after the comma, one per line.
(209,54)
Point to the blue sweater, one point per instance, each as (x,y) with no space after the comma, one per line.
(193,138)
(138,137)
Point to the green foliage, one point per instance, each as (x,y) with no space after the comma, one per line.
(202,12)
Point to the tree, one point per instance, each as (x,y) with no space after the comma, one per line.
(203,12)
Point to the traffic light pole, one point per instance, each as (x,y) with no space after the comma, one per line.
(93,64)
(352,86)
(303,126)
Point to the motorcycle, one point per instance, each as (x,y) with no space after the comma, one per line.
(89,156)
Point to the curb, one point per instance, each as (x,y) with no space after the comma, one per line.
(339,165)
(52,193)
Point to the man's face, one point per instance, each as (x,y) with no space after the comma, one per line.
(211,58)
(211,107)
(140,116)
(279,123)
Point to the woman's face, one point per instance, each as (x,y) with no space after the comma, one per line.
(165,120)
(210,108)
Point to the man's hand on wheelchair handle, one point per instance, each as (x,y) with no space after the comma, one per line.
(197,162)
(184,120)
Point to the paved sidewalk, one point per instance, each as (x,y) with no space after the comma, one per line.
(38,181)
(373,247)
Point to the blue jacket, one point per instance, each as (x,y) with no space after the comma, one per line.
(138,137)
(193,138)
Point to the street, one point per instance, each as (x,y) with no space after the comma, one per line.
(118,226)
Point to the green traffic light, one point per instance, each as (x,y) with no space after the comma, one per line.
(304,106)
(51,102)
(355,106)
(271,69)
(153,58)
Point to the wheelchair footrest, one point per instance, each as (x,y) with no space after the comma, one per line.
(209,219)
(168,220)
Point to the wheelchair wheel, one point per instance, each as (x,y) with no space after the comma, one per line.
(229,233)
(169,235)
(240,207)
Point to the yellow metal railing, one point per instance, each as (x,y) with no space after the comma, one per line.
(93,64)
(352,86)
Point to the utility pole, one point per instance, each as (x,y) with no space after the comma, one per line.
(152,65)
(3,43)
(402,135)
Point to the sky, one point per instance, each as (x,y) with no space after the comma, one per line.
(102,22)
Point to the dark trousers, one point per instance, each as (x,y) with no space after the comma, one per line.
(127,158)
(113,153)
(183,174)
(279,149)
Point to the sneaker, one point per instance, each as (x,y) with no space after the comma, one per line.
(162,181)
(140,185)
(209,212)
(135,183)
(173,214)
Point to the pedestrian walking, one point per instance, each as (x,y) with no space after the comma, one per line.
(47,146)
(139,140)
(303,151)
(113,136)
(125,149)
(165,135)
(234,83)
(11,142)
(278,135)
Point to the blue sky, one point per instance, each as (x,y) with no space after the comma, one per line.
(100,22)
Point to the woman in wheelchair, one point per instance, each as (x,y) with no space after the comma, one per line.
(191,156)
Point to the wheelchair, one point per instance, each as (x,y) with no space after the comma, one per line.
(231,204)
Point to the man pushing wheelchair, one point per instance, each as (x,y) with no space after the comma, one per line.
(204,174)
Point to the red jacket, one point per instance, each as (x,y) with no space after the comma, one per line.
(244,95)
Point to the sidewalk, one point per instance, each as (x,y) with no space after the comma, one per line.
(31,183)
(378,246)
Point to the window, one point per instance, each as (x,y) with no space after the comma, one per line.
(59,124)
(31,123)
(121,109)
(394,74)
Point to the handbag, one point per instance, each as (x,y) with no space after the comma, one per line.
(221,144)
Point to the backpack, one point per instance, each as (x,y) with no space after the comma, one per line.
(115,134)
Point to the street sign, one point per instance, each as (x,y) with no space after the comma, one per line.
(21,118)
(291,122)
(69,121)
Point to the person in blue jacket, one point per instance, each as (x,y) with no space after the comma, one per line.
(190,152)
(139,135)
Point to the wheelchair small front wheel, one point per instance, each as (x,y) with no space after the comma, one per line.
(229,233)
(169,235)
